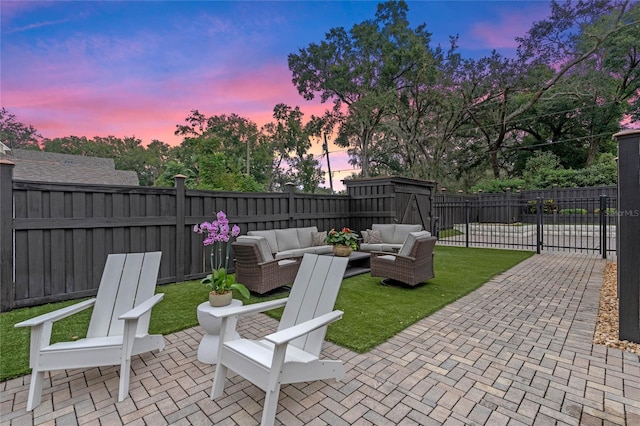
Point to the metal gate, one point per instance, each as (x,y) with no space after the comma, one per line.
(570,224)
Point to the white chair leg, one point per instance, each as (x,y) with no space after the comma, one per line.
(218,381)
(125,376)
(35,389)
(270,406)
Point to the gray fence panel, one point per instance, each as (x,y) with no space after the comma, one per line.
(62,233)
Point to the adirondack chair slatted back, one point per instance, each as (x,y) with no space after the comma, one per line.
(313,293)
(127,280)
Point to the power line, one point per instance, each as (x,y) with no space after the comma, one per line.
(515,148)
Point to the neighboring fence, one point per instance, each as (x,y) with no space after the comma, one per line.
(512,206)
(54,238)
(572,219)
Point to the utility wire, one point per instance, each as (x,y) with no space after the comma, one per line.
(515,148)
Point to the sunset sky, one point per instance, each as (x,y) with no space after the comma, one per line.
(137,68)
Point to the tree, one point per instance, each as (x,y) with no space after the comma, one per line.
(223,151)
(152,161)
(362,72)
(579,114)
(173,168)
(552,48)
(15,134)
(290,141)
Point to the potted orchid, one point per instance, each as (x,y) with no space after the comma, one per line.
(218,235)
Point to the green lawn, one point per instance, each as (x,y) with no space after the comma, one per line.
(372,312)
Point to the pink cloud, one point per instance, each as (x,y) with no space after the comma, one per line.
(501,33)
(77,98)
(11,9)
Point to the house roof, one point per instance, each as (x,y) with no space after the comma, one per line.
(52,167)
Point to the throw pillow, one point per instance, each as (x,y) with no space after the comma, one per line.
(365,236)
(375,237)
(317,238)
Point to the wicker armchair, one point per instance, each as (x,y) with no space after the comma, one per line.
(261,276)
(412,265)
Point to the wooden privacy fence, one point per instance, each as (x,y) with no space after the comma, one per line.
(54,238)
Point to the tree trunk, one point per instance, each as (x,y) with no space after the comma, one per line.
(494,164)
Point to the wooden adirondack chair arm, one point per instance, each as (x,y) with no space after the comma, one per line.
(249,309)
(57,315)
(287,335)
(142,308)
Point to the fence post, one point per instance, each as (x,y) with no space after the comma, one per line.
(603,225)
(508,191)
(291,189)
(7,285)
(467,213)
(180,223)
(627,234)
(539,224)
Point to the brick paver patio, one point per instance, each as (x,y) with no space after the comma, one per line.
(516,351)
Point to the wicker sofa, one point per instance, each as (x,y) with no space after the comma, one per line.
(391,236)
(293,241)
(412,265)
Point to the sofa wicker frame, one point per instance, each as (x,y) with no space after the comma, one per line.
(261,276)
(411,270)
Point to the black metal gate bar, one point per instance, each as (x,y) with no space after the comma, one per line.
(502,220)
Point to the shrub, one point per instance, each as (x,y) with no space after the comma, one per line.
(573,211)
(445,233)
(610,211)
(548,206)
(498,185)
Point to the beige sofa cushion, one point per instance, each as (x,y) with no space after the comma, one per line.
(270,235)
(263,245)
(326,249)
(393,236)
(401,231)
(304,235)
(379,247)
(410,241)
(386,231)
(291,241)
(287,239)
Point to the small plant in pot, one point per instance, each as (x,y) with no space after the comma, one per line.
(219,234)
(221,285)
(343,242)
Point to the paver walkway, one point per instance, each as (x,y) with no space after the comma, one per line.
(516,351)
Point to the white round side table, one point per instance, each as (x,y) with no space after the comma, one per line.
(208,348)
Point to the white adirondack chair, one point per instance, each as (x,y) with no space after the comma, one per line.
(292,354)
(119,326)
